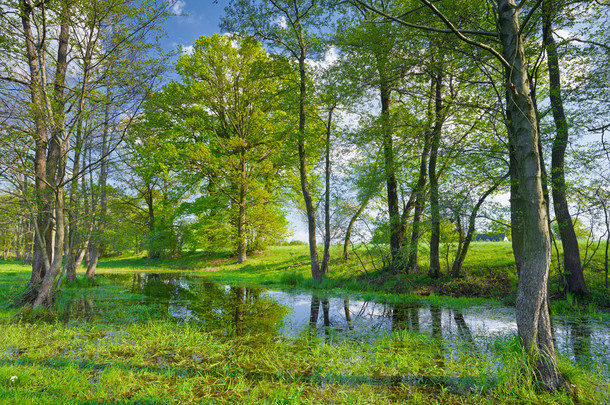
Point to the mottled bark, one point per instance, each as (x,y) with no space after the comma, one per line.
(533,321)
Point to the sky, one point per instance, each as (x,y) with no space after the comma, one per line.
(193,19)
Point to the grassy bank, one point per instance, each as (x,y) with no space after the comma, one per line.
(488,272)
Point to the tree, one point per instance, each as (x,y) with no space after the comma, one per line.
(533,320)
(92,41)
(288,26)
(575,281)
(229,125)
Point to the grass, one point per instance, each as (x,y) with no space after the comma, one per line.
(488,273)
(168,362)
(144,358)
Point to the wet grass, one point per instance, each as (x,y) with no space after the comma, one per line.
(170,362)
(142,358)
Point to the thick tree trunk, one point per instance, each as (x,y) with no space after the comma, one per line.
(575,280)
(316,274)
(43,227)
(533,321)
(435,232)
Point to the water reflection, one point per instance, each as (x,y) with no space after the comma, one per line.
(240,310)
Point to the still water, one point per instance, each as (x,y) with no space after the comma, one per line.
(238,310)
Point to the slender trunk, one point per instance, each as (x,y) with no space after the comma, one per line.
(575,280)
(390,173)
(74,238)
(96,244)
(533,321)
(350,227)
(463,250)
(420,203)
(316,274)
(326,257)
(435,233)
(241,223)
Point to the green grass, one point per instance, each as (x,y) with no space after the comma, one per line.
(488,273)
(167,362)
(143,358)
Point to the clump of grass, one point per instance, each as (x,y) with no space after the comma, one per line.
(292,278)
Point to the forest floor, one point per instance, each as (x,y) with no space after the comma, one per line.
(140,359)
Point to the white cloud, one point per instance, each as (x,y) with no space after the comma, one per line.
(177,6)
(187,50)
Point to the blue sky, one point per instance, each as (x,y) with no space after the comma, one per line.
(195,18)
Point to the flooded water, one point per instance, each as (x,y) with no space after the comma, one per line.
(238,310)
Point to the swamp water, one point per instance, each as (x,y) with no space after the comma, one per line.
(240,310)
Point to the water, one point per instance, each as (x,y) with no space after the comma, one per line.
(237,310)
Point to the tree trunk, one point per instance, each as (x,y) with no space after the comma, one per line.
(350,227)
(435,233)
(316,274)
(420,203)
(390,173)
(42,241)
(326,257)
(74,238)
(241,224)
(463,249)
(533,321)
(95,246)
(575,280)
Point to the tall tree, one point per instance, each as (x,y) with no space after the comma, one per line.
(575,280)
(533,320)
(290,27)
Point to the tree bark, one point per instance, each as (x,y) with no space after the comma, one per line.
(326,256)
(390,174)
(42,228)
(435,234)
(575,280)
(241,224)
(316,274)
(533,321)
(420,203)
